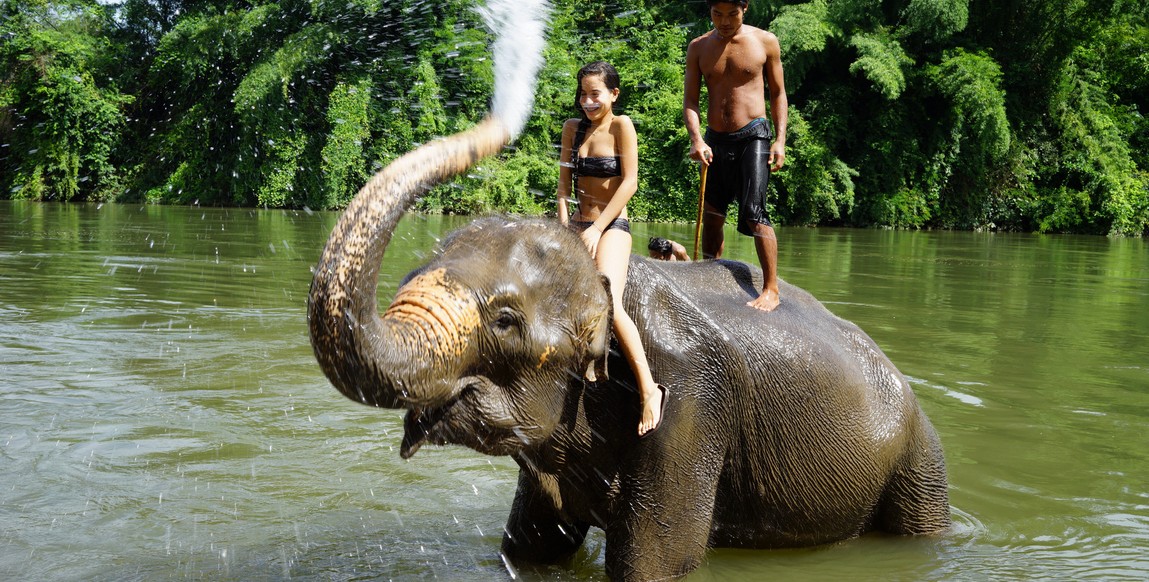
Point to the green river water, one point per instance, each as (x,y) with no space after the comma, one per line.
(162,415)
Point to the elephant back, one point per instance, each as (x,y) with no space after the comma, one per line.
(800,348)
(799,397)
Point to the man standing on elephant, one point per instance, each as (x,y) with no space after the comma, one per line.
(738,63)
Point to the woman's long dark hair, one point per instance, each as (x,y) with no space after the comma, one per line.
(597,68)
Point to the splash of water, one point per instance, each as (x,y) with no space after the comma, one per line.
(520,35)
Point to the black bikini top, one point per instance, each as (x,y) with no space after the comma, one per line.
(602,167)
(594,167)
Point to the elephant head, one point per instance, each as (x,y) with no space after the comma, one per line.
(482,344)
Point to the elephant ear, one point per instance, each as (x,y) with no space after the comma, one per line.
(596,335)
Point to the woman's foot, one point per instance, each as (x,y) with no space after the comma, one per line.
(653,407)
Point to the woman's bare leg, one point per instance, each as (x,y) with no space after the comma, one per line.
(613,259)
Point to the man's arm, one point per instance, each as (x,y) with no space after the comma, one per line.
(692,90)
(779,104)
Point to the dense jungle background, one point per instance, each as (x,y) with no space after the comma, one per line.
(965,114)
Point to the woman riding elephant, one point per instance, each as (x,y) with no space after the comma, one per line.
(599,158)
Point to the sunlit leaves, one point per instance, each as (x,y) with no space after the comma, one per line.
(1108,192)
(936,20)
(803,28)
(344,164)
(881,60)
(426,99)
(279,171)
(59,124)
(818,186)
(978,138)
(972,83)
(803,31)
(652,79)
(271,81)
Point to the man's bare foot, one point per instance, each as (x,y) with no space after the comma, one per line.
(767,301)
(653,405)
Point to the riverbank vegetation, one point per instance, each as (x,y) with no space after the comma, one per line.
(963,114)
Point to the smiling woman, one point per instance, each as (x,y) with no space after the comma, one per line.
(602,176)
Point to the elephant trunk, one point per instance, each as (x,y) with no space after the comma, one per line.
(386,361)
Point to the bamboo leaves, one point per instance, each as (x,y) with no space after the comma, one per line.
(882,61)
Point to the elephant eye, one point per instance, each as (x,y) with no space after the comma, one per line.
(506,319)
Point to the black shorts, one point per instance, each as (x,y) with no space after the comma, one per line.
(740,170)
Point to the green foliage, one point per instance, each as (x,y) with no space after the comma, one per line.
(910,114)
(979,135)
(817,187)
(495,185)
(190,119)
(804,31)
(881,60)
(58,124)
(265,103)
(426,100)
(972,84)
(344,164)
(1102,188)
(78,125)
(936,20)
(652,83)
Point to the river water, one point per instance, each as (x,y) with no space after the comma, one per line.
(162,415)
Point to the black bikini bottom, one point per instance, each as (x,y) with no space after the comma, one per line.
(618,223)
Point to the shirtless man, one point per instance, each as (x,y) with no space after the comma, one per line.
(738,63)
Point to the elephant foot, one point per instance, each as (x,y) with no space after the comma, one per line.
(652,412)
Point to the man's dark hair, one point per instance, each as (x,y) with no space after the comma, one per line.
(742,3)
(659,245)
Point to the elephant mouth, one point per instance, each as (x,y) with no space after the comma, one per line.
(475,418)
(417,428)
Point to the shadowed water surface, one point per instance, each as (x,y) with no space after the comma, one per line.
(162,415)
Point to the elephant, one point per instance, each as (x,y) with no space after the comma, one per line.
(781,430)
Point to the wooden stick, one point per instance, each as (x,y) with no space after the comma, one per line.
(701,203)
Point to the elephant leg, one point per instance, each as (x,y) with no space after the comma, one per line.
(664,514)
(535,531)
(917,498)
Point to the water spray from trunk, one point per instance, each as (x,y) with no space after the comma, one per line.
(520,30)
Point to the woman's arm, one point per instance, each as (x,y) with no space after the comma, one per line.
(563,192)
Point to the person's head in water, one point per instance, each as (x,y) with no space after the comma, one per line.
(660,248)
(598,88)
(666,249)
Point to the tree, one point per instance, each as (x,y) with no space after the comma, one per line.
(59,119)
(907,113)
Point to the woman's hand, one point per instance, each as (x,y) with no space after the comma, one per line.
(590,238)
